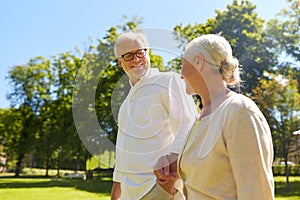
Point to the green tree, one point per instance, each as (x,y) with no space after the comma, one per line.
(67,143)
(244,30)
(240,24)
(42,92)
(278,98)
(10,132)
(285,30)
(28,89)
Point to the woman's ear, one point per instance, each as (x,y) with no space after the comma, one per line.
(199,59)
(200,62)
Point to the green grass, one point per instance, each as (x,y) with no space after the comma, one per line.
(36,187)
(30,187)
(281,191)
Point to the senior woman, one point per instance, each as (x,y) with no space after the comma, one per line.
(228,153)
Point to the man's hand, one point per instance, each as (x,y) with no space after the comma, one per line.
(166,172)
(173,158)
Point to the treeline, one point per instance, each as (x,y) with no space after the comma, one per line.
(63,109)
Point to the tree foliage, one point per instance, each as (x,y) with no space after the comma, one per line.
(10,131)
(279,99)
(42,94)
(285,30)
(242,27)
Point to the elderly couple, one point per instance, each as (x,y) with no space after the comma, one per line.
(167,150)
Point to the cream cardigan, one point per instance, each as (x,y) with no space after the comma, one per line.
(229,154)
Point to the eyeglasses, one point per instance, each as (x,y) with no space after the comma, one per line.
(129,56)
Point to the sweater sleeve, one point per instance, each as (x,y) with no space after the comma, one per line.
(250,150)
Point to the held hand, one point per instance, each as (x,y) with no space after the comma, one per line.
(162,166)
(166,165)
(162,170)
(173,158)
(166,172)
(166,169)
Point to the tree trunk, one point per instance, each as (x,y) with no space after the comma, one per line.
(18,165)
(59,161)
(47,166)
(287,176)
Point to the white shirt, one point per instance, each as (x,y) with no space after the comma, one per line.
(153,120)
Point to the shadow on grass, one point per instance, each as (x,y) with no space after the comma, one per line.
(281,190)
(96,185)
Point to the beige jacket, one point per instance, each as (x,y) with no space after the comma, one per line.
(229,154)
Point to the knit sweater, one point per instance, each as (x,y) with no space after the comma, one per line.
(229,154)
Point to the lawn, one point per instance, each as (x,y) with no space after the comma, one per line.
(282,193)
(48,189)
(36,187)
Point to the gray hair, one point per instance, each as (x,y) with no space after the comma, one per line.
(131,35)
(217,52)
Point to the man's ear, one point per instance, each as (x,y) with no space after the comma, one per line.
(120,62)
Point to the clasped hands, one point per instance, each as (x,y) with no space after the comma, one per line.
(165,171)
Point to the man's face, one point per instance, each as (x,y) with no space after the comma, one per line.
(134,59)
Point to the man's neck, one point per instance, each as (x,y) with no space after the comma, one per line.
(133,80)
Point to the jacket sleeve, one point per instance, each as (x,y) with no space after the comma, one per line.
(116,176)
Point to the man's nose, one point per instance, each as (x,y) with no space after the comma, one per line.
(135,57)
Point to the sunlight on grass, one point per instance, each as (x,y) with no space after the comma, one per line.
(49,194)
(28,188)
(281,191)
(54,189)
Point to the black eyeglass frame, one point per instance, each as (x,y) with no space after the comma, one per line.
(134,53)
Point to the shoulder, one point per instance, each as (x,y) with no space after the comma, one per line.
(167,78)
(168,75)
(241,101)
(242,104)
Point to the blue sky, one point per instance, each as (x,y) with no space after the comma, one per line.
(43,28)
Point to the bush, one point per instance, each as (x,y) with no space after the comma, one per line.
(279,170)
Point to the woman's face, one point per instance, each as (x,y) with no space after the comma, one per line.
(191,76)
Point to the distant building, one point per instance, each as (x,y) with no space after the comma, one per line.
(297,141)
(2,162)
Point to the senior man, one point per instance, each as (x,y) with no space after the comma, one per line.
(153,120)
